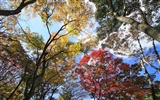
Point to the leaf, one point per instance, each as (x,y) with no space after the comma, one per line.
(107,75)
(84,60)
(60,98)
(74,49)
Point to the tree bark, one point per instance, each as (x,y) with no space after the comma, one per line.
(143,27)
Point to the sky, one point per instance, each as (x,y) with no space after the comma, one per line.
(36,25)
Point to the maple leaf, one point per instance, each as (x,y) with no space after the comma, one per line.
(110,75)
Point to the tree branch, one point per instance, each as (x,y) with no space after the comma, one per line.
(143,27)
(146,72)
(18,10)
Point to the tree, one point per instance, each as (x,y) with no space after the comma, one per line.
(156,86)
(125,28)
(46,64)
(107,77)
(115,12)
(13,60)
(72,91)
(33,68)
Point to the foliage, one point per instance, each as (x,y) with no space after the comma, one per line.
(13,60)
(122,35)
(33,68)
(157,88)
(88,42)
(72,91)
(114,11)
(125,28)
(107,77)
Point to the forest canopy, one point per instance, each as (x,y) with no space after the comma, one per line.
(117,60)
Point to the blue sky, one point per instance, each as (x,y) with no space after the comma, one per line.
(36,25)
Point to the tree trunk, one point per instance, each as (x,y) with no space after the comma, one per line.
(149,30)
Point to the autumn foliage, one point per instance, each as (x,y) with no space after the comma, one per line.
(107,77)
(38,62)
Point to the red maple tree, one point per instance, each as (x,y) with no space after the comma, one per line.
(107,77)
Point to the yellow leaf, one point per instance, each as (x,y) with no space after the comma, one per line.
(74,49)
